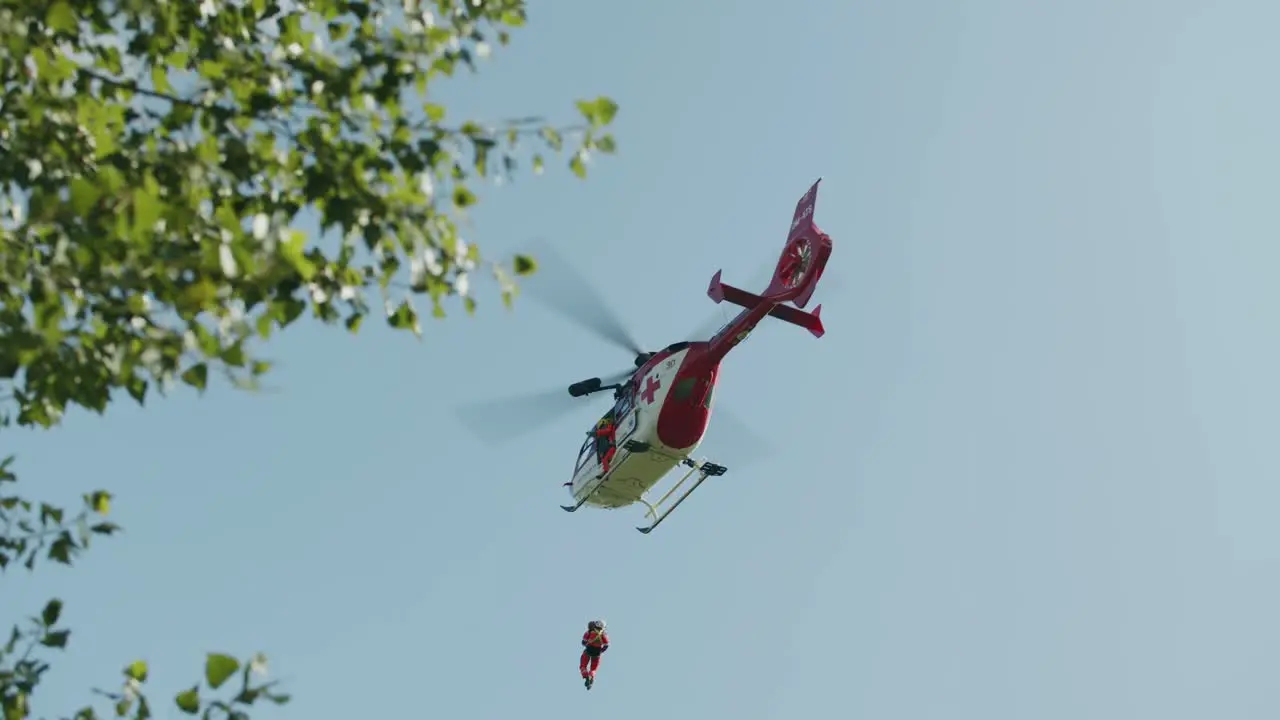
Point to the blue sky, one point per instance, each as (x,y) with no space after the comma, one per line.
(1028,473)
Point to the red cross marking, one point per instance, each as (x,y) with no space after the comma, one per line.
(651,386)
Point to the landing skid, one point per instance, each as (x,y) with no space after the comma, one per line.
(586,495)
(702,469)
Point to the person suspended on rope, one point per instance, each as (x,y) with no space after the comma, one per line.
(594,642)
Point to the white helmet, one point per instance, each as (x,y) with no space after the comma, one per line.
(596,625)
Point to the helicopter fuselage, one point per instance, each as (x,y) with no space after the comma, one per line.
(661,411)
(659,417)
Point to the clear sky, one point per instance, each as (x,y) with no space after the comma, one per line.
(1030,472)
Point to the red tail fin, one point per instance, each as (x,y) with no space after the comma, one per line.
(803,257)
(796,275)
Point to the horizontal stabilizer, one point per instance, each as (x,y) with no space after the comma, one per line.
(811,321)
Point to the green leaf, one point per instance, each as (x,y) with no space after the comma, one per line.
(463,198)
(218,668)
(197,376)
(292,250)
(105,529)
(61,17)
(598,112)
(147,206)
(404,316)
(55,639)
(234,355)
(61,549)
(206,340)
(137,388)
(160,79)
(606,110)
(52,611)
(100,502)
(84,195)
(578,166)
(137,670)
(287,310)
(525,265)
(48,513)
(188,701)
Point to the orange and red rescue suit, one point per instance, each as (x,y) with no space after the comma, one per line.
(606,446)
(594,642)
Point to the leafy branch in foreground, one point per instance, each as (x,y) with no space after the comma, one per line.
(130,702)
(28,530)
(155,157)
(32,531)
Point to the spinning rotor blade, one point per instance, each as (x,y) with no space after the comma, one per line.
(735,440)
(618,377)
(724,313)
(498,421)
(711,325)
(559,287)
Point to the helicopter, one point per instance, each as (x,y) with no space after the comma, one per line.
(662,406)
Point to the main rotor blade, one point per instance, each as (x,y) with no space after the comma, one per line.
(618,378)
(712,324)
(557,285)
(497,421)
(724,313)
(734,440)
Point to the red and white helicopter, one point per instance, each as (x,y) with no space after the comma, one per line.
(662,407)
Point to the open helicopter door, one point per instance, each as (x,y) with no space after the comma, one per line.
(626,418)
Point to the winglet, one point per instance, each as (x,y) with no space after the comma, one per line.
(716,290)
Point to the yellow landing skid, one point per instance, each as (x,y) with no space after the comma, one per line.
(702,469)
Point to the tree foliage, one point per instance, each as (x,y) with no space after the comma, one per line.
(155,158)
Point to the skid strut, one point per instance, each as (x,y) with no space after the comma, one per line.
(702,469)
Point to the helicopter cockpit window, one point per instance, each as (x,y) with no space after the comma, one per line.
(623,406)
(586,454)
